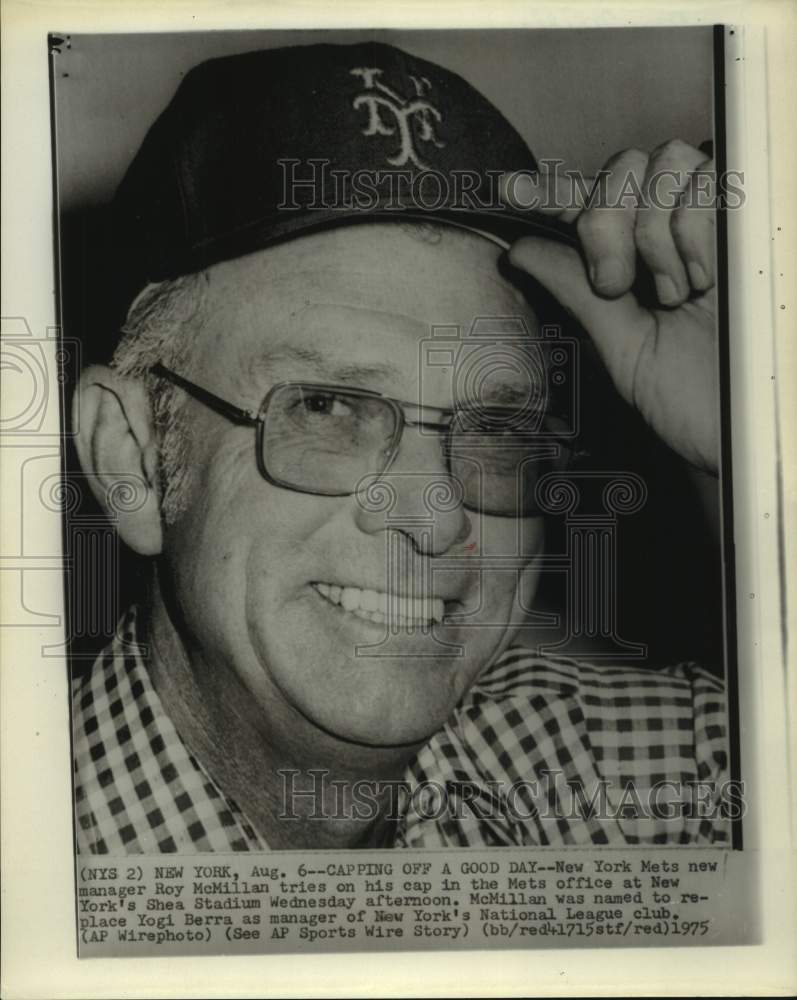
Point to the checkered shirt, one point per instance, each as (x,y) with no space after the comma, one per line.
(541,751)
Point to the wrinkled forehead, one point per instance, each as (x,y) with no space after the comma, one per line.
(401,297)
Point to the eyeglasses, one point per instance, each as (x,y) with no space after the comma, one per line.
(332,440)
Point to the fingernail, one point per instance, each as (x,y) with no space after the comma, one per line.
(665,289)
(608,273)
(697,275)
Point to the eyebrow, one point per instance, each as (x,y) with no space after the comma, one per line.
(364,376)
(505,395)
(325,368)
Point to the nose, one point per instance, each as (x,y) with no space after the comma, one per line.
(416,496)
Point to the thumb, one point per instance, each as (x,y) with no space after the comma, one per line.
(618,327)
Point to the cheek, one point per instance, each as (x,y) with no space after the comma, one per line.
(511,537)
(505,546)
(511,594)
(237,534)
(241,586)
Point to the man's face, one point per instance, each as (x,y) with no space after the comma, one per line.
(259,572)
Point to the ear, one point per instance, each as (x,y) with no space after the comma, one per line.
(118,452)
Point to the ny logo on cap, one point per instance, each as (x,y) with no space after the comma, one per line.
(379,99)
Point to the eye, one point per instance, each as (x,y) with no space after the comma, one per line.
(326,404)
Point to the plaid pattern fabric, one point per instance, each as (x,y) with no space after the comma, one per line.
(537,741)
(541,752)
(137,788)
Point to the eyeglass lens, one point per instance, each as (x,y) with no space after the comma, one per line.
(321,440)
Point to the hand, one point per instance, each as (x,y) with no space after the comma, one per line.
(662,360)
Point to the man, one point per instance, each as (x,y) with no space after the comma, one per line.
(344,535)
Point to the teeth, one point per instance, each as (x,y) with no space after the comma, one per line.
(369,600)
(377,606)
(350,599)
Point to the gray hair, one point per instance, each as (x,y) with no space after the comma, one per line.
(161,325)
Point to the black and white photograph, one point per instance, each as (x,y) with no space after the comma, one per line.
(396,466)
(410,441)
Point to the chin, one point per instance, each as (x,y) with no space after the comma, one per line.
(390,701)
(355,681)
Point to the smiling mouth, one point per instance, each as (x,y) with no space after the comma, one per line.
(382,607)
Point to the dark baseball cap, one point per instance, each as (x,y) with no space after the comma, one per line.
(257,148)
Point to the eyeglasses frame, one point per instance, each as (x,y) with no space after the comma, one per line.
(257,418)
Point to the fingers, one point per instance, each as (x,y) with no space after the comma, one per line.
(692,226)
(619,326)
(658,208)
(606,227)
(667,177)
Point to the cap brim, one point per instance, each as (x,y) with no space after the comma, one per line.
(502,228)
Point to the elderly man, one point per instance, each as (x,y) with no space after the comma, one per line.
(316,665)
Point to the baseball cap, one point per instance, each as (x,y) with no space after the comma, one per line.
(260,147)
